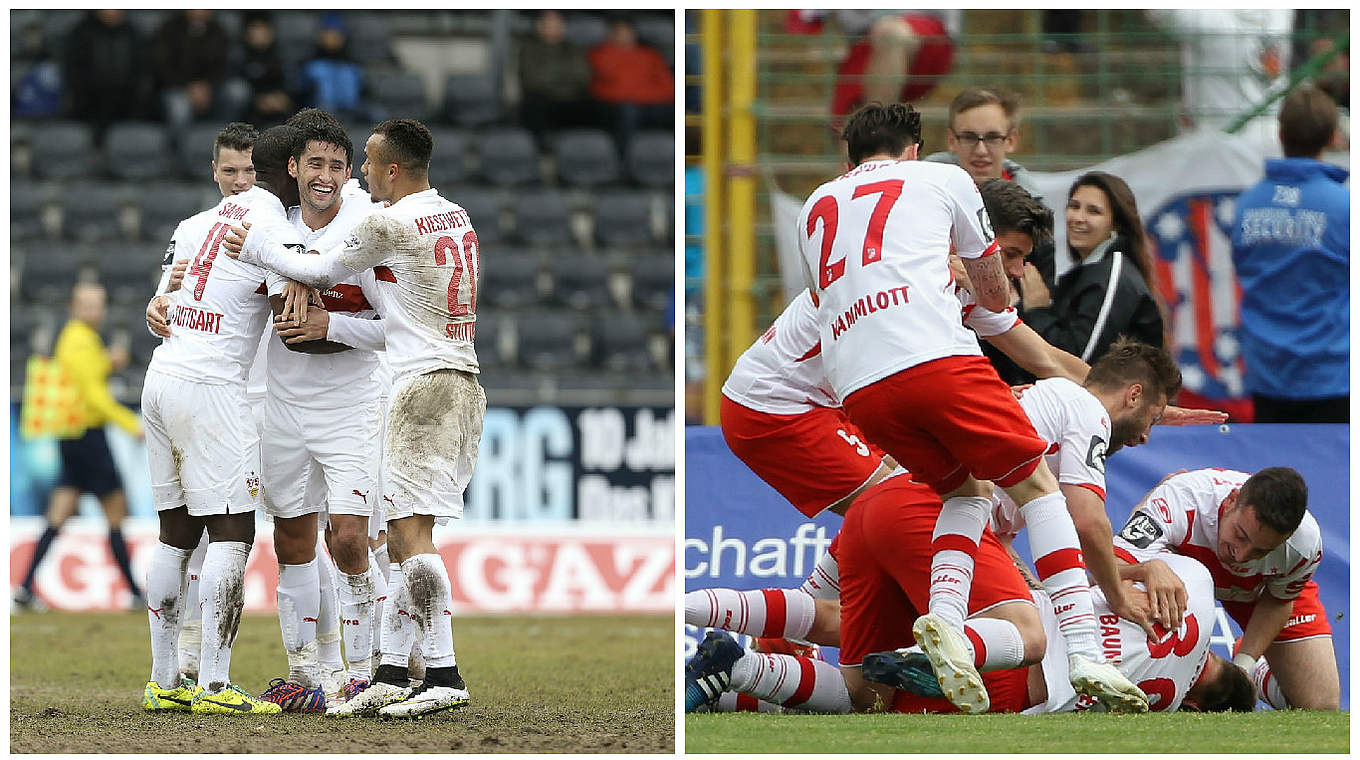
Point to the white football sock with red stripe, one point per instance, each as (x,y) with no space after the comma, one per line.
(825,580)
(1056,550)
(996,643)
(953,544)
(779,613)
(299,598)
(800,682)
(732,701)
(1268,686)
(166,578)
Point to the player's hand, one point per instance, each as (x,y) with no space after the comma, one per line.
(1134,606)
(235,239)
(292,331)
(296,297)
(1019,390)
(157,312)
(1175,415)
(1033,291)
(177,271)
(1166,594)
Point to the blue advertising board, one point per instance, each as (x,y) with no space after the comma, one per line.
(740,534)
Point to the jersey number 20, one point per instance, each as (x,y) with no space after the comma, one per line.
(467,263)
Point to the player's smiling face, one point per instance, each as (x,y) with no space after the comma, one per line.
(1242,537)
(233,171)
(321,171)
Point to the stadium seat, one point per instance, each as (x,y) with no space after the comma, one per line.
(448,164)
(295,33)
(26,203)
(541,218)
(489,341)
(585,30)
(659,32)
(510,279)
(472,100)
(399,95)
(194,146)
(483,206)
(651,159)
(653,282)
(137,151)
(161,206)
(623,219)
(147,22)
(620,342)
(49,270)
(586,158)
(508,156)
(370,39)
(92,212)
(578,280)
(548,340)
(57,25)
(130,275)
(63,150)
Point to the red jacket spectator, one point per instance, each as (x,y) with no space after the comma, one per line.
(626,72)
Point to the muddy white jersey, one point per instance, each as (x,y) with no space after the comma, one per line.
(218,312)
(782,372)
(875,244)
(346,379)
(1182,515)
(1077,427)
(1164,669)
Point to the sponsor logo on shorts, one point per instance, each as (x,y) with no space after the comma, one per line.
(361,495)
(1095,454)
(1300,620)
(1141,530)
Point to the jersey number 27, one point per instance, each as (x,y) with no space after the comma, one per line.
(828,211)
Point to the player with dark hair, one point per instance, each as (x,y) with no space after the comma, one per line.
(424,255)
(1255,534)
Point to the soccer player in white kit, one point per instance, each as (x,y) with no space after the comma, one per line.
(913,378)
(1256,536)
(423,253)
(203,451)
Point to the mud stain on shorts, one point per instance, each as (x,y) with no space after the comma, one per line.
(434,418)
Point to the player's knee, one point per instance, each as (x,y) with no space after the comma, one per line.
(179,529)
(236,528)
(826,623)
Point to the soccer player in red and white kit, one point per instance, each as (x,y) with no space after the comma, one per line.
(424,254)
(1256,536)
(203,449)
(913,378)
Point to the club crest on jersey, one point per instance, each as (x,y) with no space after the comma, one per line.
(253,485)
(169,254)
(1141,530)
(1095,455)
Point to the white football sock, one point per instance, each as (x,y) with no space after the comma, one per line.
(800,682)
(223,592)
(772,612)
(1267,686)
(733,701)
(431,593)
(398,632)
(996,643)
(166,578)
(953,544)
(379,596)
(384,563)
(191,631)
(356,617)
(299,610)
(825,580)
(328,619)
(1056,550)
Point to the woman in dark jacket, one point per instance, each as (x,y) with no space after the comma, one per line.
(1110,290)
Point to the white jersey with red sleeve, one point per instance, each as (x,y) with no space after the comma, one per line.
(1078,428)
(875,244)
(1181,516)
(1164,669)
(782,372)
(218,313)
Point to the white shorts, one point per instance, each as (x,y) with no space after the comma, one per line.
(434,426)
(320,459)
(202,446)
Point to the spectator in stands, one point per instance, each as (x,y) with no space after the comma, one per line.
(38,93)
(1291,249)
(191,70)
(632,82)
(897,56)
(262,69)
(1110,291)
(105,70)
(554,78)
(332,80)
(86,461)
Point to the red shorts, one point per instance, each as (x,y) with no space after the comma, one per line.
(929,65)
(1007,689)
(813,459)
(1308,619)
(947,418)
(884,559)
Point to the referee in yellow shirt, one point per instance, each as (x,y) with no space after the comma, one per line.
(86,462)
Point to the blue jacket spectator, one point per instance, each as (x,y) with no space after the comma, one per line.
(332,80)
(1291,249)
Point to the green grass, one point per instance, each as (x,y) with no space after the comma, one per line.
(569,684)
(1291,732)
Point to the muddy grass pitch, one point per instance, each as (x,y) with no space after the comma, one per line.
(571,684)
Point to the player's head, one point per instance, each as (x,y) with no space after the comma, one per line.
(882,130)
(984,128)
(89,303)
(1222,687)
(1261,515)
(1308,121)
(397,158)
(233,170)
(1135,381)
(272,150)
(321,161)
(1019,221)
